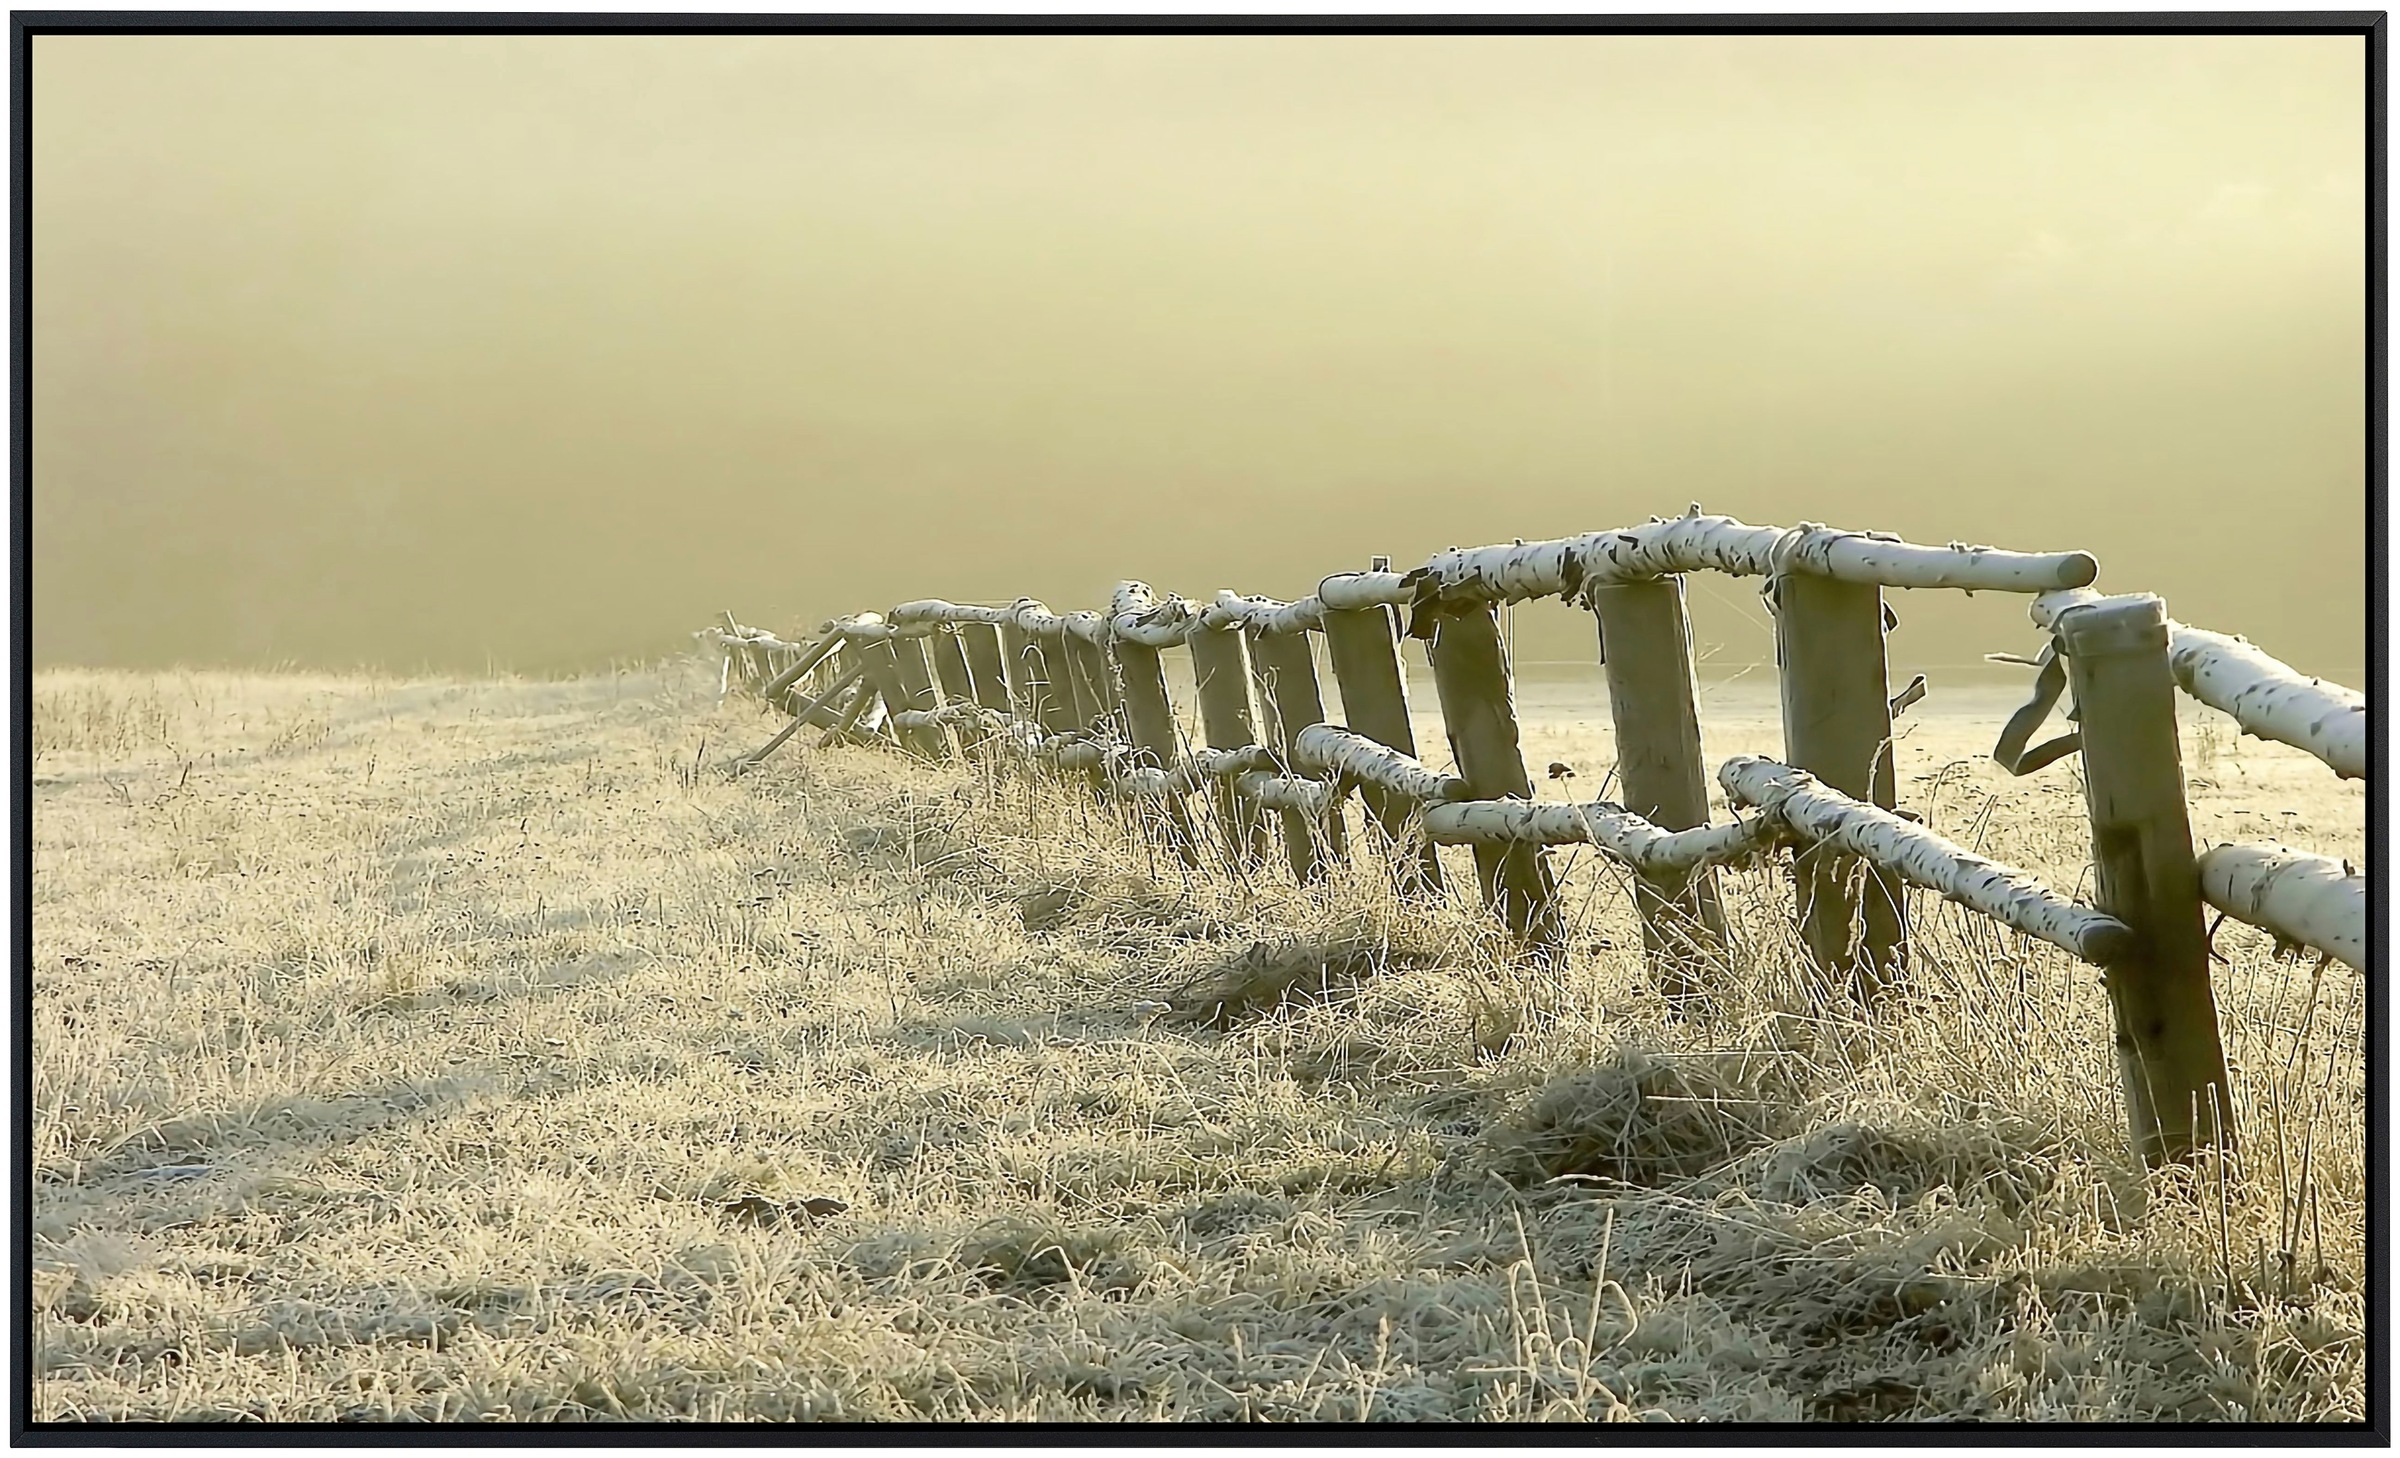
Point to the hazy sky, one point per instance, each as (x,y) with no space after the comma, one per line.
(539,350)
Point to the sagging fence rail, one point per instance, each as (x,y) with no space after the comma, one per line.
(1084,694)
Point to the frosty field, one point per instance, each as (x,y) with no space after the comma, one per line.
(481,1050)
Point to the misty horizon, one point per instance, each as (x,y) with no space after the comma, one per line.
(538,352)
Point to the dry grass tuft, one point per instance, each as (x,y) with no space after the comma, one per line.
(1643,1119)
(1903,1156)
(1268,976)
(1029,1257)
(1094,896)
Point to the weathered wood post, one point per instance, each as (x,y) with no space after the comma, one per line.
(1221,672)
(2177,1095)
(1021,662)
(1151,718)
(1653,702)
(982,644)
(950,669)
(816,709)
(916,687)
(883,678)
(1075,709)
(1095,685)
(1052,686)
(1363,644)
(861,699)
(1471,678)
(1286,672)
(827,669)
(949,666)
(1837,725)
(754,666)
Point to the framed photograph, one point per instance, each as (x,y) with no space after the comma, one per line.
(976,726)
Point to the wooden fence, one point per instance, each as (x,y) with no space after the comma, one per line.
(1085,694)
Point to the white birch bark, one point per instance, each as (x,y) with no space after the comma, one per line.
(1363,590)
(872,628)
(1655,850)
(933,611)
(1265,614)
(739,635)
(1143,781)
(1072,751)
(1091,627)
(2266,697)
(950,714)
(1331,749)
(1922,858)
(1202,765)
(1136,615)
(1570,567)
(2271,699)
(1286,792)
(1035,618)
(2315,901)
(1625,836)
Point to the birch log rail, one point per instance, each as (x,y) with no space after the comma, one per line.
(2266,697)
(1331,750)
(1922,858)
(1083,695)
(1626,837)
(2307,900)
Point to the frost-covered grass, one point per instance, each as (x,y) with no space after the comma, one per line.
(452,1050)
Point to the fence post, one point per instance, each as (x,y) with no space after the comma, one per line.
(1286,672)
(1653,702)
(1074,707)
(916,686)
(754,664)
(1837,725)
(883,681)
(1151,718)
(1470,676)
(949,666)
(2177,1096)
(1221,672)
(821,675)
(950,670)
(1052,686)
(1023,665)
(1363,644)
(1095,686)
(982,644)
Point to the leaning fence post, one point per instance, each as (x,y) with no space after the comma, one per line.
(1653,702)
(2177,1096)
(1837,725)
(861,699)
(1286,672)
(1151,718)
(1363,645)
(1221,672)
(1470,676)
(883,678)
(916,685)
